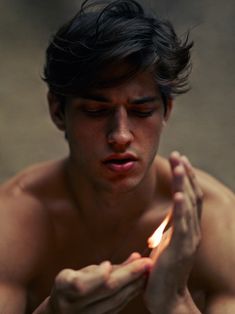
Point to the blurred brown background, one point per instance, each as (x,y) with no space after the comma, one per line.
(202,125)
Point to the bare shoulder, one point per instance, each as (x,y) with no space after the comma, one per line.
(213,188)
(216,256)
(25,224)
(214,191)
(218,204)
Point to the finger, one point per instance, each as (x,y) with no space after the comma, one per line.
(179,220)
(192,206)
(185,239)
(134,256)
(117,301)
(178,178)
(174,159)
(189,194)
(77,284)
(195,185)
(187,182)
(190,203)
(128,273)
(119,278)
(178,172)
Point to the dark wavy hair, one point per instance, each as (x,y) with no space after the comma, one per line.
(106,33)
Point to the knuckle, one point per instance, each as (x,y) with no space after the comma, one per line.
(200,196)
(188,251)
(184,229)
(78,284)
(183,232)
(111,285)
(191,247)
(136,271)
(89,268)
(71,280)
(179,234)
(103,276)
(64,278)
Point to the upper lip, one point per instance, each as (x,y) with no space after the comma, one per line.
(127,156)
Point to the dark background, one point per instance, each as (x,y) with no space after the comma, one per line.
(202,125)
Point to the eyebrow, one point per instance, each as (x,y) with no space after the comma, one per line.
(96,97)
(143,100)
(137,101)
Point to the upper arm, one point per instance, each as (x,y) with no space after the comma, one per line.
(221,304)
(22,251)
(13,294)
(216,256)
(13,298)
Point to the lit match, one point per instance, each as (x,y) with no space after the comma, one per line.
(156,237)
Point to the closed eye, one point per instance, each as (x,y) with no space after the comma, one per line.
(142,113)
(96,111)
(143,110)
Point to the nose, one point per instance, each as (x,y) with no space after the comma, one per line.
(119,134)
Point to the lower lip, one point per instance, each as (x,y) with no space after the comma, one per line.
(121,167)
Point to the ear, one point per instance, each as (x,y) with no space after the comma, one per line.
(169,107)
(56,112)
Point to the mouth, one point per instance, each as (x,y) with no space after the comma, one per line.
(120,163)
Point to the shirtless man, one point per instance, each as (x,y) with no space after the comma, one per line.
(71,229)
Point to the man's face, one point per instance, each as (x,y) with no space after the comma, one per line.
(114,133)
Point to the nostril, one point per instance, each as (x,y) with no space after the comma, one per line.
(122,137)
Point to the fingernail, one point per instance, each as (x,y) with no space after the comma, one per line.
(186,160)
(179,170)
(135,255)
(178,197)
(175,153)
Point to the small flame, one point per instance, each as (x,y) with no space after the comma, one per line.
(156,237)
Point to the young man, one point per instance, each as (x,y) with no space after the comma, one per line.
(71,229)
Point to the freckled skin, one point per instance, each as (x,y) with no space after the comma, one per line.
(76,212)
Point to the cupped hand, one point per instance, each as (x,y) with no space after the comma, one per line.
(99,289)
(174,257)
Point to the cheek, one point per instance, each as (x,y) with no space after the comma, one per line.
(152,130)
(151,140)
(84,137)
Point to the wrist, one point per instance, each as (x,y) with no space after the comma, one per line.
(181,303)
(184,304)
(44,307)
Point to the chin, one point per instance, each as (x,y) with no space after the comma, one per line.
(122,185)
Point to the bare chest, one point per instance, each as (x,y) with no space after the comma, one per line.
(76,248)
(84,256)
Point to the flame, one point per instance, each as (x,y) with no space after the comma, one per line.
(156,237)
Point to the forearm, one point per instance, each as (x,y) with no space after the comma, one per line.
(185,305)
(44,307)
(180,304)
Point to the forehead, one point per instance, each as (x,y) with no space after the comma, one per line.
(139,85)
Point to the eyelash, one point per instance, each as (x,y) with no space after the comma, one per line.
(105,112)
(142,114)
(96,112)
